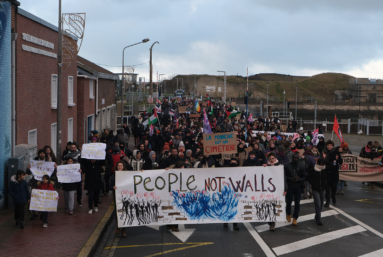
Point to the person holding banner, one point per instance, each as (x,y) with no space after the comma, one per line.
(112,184)
(93,182)
(46,184)
(295,173)
(69,191)
(18,190)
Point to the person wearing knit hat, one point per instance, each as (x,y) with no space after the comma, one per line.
(166,147)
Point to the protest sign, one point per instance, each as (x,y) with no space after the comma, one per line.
(44,200)
(69,173)
(181,109)
(196,196)
(350,163)
(217,143)
(93,151)
(233,104)
(197,115)
(41,168)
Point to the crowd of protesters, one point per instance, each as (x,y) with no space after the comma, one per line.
(175,140)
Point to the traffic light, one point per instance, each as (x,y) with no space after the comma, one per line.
(245,100)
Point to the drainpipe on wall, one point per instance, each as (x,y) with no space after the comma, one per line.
(13,49)
(96,106)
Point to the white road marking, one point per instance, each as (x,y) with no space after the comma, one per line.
(304,201)
(358,222)
(309,242)
(259,240)
(156,227)
(183,233)
(378,253)
(265,227)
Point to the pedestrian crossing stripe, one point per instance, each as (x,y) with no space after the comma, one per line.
(312,241)
(378,253)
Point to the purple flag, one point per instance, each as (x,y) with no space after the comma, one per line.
(206,124)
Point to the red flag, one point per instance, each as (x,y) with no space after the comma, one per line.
(338,132)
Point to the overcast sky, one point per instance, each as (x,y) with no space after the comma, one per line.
(296,37)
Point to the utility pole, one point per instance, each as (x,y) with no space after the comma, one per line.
(151,69)
(194,88)
(59,64)
(247,93)
(267,97)
(315,116)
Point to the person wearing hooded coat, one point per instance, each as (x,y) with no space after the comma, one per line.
(317,177)
(241,153)
(281,156)
(93,182)
(150,162)
(333,161)
(252,160)
(321,144)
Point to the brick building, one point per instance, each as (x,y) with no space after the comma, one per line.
(97,107)
(36,84)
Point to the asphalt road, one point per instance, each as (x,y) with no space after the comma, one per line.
(353,228)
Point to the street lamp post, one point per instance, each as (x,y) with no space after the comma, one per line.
(177,82)
(267,97)
(59,65)
(284,94)
(159,80)
(224,84)
(122,79)
(151,69)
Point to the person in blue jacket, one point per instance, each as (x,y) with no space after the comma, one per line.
(18,190)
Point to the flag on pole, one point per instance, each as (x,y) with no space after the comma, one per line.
(158,110)
(296,136)
(206,124)
(250,119)
(338,132)
(158,101)
(232,113)
(153,119)
(171,113)
(197,107)
(211,112)
(315,136)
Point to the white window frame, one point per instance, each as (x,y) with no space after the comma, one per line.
(91,89)
(54,137)
(70,92)
(70,130)
(35,139)
(108,117)
(54,82)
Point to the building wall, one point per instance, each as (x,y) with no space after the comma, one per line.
(106,91)
(33,86)
(86,106)
(5,92)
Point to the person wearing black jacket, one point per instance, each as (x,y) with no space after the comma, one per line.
(171,160)
(252,160)
(321,144)
(150,162)
(295,173)
(93,182)
(333,160)
(317,177)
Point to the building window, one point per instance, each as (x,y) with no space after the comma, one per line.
(32,137)
(91,94)
(70,129)
(70,91)
(108,118)
(54,137)
(54,92)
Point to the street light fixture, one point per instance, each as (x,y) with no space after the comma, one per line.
(224,84)
(151,69)
(122,80)
(284,107)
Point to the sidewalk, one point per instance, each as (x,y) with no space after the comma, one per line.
(66,235)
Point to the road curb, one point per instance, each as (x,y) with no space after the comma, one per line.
(91,245)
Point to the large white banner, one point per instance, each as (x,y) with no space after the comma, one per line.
(195,196)
(41,168)
(93,151)
(69,173)
(44,200)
